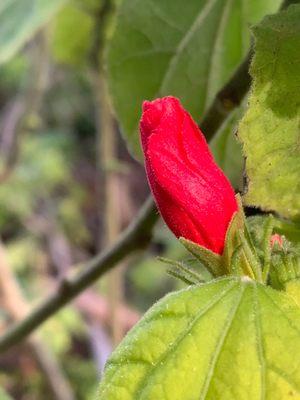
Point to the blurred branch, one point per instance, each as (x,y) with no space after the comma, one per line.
(136,236)
(108,190)
(227,99)
(109,195)
(97,50)
(18,115)
(17,307)
(11,117)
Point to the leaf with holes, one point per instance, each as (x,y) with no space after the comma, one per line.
(186,49)
(270,130)
(229,339)
(19,21)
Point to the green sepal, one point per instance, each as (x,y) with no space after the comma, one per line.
(239,256)
(178,274)
(285,267)
(237,261)
(232,240)
(210,260)
(183,272)
(248,252)
(285,270)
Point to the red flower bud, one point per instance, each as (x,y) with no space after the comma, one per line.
(276,239)
(193,195)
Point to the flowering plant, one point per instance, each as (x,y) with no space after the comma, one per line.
(195,198)
(232,334)
(193,195)
(198,204)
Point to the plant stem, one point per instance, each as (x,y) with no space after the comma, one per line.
(227,99)
(108,195)
(107,188)
(251,261)
(268,229)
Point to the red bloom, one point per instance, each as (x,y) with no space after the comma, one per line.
(192,194)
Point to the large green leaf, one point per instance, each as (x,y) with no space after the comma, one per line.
(270,130)
(229,339)
(187,49)
(227,150)
(20,19)
(69,48)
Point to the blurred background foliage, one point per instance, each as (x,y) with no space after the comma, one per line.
(53,177)
(49,215)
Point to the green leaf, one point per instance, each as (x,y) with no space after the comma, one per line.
(19,21)
(270,129)
(227,149)
(69,48)
(293,289)
(230,339)
(168,47)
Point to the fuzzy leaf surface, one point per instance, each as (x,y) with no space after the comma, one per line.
(270,129)
(20,20)
(230,339)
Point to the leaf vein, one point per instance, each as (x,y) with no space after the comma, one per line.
(200,17)
(283,313)
(218,350)
(260,346)
(282,375)
(183,334)
(213,59)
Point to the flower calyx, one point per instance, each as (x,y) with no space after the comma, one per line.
(243,256)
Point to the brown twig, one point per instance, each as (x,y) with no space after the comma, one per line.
(108,191)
